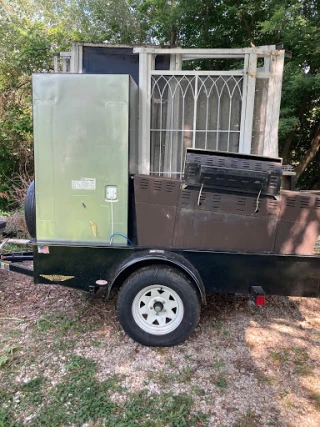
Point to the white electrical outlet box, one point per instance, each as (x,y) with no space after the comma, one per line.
(111,192)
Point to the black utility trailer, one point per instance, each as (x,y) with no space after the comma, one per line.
(224,227)
(161,223)
(215,234)
(161,290)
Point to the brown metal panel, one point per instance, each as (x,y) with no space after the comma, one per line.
(189,218)
(225,232)
(299,225)
(184,234)
(155,224)
(296,237)
(225,222)
(234,232)
(238,204)
(299,207)
(157,190)
(156,201)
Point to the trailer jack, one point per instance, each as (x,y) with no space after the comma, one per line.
(99,289)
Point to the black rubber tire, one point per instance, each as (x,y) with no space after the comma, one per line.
(171,278)
(30,210)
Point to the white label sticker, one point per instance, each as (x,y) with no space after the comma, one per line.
(84,184)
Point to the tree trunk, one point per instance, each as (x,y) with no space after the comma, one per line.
(311,153)
(291,135)
(247,26)
(173,36)
(287,145)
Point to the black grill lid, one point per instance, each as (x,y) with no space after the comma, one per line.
(241,172)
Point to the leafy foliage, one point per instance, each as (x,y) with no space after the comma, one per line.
(32,30)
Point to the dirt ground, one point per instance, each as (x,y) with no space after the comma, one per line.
(243,366)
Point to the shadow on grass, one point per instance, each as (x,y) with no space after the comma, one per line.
(280,352)
(80,398)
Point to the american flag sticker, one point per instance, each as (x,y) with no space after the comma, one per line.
(43,249)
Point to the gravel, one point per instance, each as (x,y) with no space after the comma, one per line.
(242,365)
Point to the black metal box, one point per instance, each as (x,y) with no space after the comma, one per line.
(233,171)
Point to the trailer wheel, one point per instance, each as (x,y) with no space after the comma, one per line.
(30,210)
(158,306)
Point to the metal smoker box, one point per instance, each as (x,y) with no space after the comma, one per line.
(82,128)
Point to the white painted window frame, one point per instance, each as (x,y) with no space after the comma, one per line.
(272,70)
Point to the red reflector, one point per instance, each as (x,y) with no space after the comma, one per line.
(260,300)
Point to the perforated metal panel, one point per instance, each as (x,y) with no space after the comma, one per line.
(225,221)
(233,171)
(169,215)
(299,223)
(156,207)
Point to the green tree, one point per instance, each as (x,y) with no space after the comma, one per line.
(27,44)
(235,23)
(32,30)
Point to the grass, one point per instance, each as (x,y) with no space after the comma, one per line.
(13,334)
(198,390)
(301,361)
(3,360)
(283,394)
(7,355)
(219,380)
(289,404)
(164,378)
(36,352)
(184,375)
(12,247)
(61,330)
(250,419)
(219,365)
(219,325)
(281,356)
(33,392)
(315,399)
(80,398)
(297,357)
(60,324)
(266,379)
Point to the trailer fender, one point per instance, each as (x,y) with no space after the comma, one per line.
(152,257)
